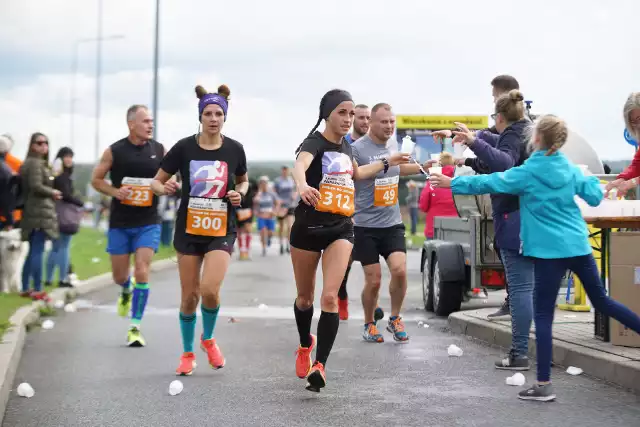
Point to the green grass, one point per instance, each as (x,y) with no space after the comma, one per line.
(89,259)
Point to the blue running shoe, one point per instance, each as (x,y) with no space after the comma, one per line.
(396,327)
(371,333)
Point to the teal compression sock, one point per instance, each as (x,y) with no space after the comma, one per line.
(188,329)
(209,317)
(140,297)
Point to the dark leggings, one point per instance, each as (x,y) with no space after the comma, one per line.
(342,292)
(548,275)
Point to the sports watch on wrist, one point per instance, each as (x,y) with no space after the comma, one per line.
(385,162)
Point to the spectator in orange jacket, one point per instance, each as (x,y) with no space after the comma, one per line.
(438,201)
(14,164)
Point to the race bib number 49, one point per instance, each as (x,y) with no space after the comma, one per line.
(139,192)
(207,217)
(386,191)
(336,195)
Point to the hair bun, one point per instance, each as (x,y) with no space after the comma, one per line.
(224,91)
(516,96)
(200,91)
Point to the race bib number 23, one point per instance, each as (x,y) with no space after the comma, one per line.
(139,192)
(336,195)
(207,217)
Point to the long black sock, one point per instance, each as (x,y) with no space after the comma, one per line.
(342,292)
(327,331)
(303,321)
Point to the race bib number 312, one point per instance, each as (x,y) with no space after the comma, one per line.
(207,217)
(336,195)
(386,191)
(139,192)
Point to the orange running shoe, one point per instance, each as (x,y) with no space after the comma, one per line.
(216,359)
(187,364)
(343,309)
(303,358)
(317,378)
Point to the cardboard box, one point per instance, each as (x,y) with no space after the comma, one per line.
(624,283)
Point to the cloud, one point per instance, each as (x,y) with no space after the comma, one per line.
(279,58)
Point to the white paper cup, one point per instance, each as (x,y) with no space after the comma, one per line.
(436,169)
(407,146)
(435,157)
(458,150)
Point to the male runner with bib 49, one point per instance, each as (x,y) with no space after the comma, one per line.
(324,172)
(134,224)
(205,227)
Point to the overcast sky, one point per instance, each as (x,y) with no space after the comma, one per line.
(574,59)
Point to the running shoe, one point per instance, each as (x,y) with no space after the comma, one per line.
(216,359)
(539,392)
(303,358)
(513,362)
(187,364)
(396,327)
(317,378)
(378,314)
(371,333)
(343,309)
(134,337)
(124,304)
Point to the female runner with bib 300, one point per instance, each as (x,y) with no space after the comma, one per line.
(324,172)
(205,227)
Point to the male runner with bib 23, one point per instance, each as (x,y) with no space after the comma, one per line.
(134,224)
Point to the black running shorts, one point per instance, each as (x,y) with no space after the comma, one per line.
(187,247)
(371,243)
(316,238)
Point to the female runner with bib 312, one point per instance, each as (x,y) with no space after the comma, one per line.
(205,226)
(324,172)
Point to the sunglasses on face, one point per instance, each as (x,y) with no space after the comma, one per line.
(42,142)
(493,116)
(635,121)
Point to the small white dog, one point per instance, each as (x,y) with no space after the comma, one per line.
(13,252)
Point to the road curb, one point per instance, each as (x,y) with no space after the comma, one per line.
(618,370)
(12,342)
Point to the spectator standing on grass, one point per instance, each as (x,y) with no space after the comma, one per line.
(438,201)
(7,185)
(69,212)
(13,164)
(39,220)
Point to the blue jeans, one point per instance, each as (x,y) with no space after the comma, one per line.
(413,212)
(32,268)
(520,275)
(166,233)
(59,257)
(548,276)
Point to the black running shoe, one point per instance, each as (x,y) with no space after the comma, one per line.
(541,393)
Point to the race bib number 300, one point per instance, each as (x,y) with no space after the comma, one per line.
(139,192)
(207,217)
(386,191)
(336,195)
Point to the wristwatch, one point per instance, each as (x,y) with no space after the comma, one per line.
(385,162)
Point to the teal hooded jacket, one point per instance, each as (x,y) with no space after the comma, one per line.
(551,224)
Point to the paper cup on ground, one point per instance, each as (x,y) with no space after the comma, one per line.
(407,146)
(436,169)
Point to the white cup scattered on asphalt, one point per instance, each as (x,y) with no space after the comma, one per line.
(25,390)
(454,351)
(263,307)
(70,308)
(175,387)
(572,370)
(516,380)
(58,304)
(47,324)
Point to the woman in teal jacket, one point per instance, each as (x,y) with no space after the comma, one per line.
(553,233)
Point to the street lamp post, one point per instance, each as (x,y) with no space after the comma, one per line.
(98,75)
(74,73)
(156,60)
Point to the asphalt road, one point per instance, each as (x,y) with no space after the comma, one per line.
(83,375)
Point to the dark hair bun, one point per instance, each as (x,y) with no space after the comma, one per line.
(200,91)
(224,91)
(516,96)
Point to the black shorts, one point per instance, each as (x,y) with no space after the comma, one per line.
(316,238)
(371,243)
(241,224)
(290,212)
(186,246)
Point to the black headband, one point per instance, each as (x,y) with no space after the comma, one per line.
(330,102)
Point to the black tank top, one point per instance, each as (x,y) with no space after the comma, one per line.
(135,161)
